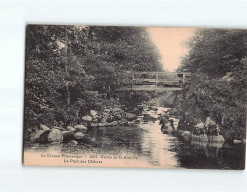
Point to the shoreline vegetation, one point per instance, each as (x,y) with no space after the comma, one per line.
(72,73)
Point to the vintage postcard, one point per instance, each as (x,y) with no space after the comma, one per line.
(136,97)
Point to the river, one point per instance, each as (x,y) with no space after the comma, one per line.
(145,144)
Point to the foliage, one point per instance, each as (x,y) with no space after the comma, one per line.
(70,68)
(218,62)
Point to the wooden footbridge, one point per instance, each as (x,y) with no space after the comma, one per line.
(157,81)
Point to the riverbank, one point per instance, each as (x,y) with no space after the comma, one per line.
(144,142)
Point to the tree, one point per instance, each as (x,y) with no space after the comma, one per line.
(65,65)
(217,61)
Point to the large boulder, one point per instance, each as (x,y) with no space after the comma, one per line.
(216,138)
(35,136)
(130,116)
(54,135)
(45,128)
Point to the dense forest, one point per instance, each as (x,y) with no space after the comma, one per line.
(71,70)
(218,62)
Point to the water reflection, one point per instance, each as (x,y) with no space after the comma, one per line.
(149,145)
(210,155)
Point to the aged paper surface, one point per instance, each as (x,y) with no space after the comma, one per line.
(144,97)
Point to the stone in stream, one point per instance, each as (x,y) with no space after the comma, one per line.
(130,116)
(167,128)
(54,135)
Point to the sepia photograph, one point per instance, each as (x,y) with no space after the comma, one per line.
(135,97)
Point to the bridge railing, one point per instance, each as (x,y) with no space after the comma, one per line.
(157,81)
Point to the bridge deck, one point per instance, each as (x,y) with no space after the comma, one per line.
(156,81)
(149,88)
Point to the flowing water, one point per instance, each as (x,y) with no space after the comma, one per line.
(146,144)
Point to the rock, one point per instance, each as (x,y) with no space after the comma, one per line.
(54,135)
(147,117)
(103,124)
(45,128)
(80,127)
(87,118)
(216,138)
(68,136)
(200,125)
(180,132)
(130,117)
(65,132)
(123,122)
(237,141)
(200,138)
(186,135)
(107,110)
(79,135)
(182,125)
(93,113)
(36,135)
(212,128)
(103,120)
(92,124)
(227,78)
(114,123)
(167,128)
(73,142)
(69,128)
